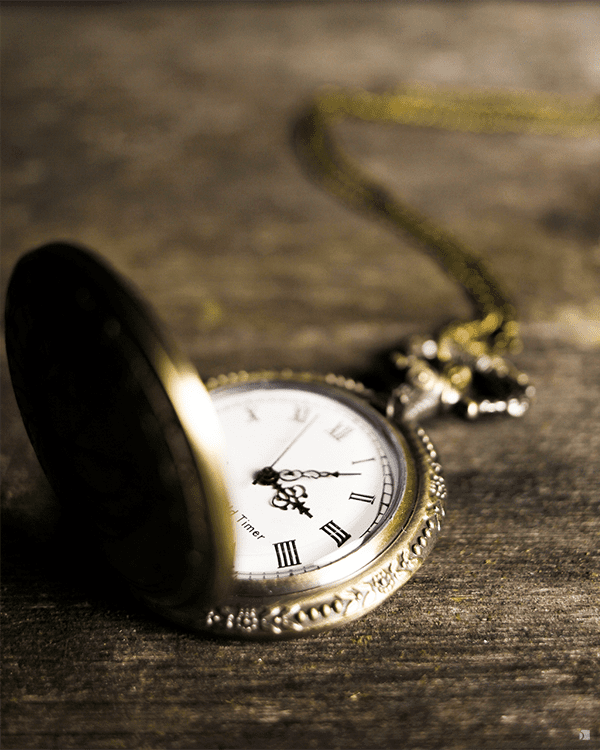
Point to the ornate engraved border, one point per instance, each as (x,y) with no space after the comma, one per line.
(332,605)
(354,600)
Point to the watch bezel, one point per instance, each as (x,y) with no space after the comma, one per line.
(339,592)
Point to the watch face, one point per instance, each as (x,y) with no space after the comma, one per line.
(314,476)
(333,507)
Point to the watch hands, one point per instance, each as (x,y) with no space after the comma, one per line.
(289,475)
(286,497)
(290,497)
(270,476)
(294,441)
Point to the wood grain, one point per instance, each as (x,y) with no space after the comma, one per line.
(158,134)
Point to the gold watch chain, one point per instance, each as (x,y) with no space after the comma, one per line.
(494,331)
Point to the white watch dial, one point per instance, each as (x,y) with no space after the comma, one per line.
(312,476)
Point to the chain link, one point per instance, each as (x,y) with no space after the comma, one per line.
(465,367)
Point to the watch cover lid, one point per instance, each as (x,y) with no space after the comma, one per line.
(122,426)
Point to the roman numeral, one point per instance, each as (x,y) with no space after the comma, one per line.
(301,413)
(251,415)
(340,431)
(363,498)
(287,554)
(336,532)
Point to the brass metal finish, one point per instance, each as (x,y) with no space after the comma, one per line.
(485,382)
(121,424)
(124,428)
(310,602)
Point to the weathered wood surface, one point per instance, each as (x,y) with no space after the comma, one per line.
(159,135)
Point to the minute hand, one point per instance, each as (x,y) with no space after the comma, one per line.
(290,475)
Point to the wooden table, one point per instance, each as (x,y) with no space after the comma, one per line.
(159,135)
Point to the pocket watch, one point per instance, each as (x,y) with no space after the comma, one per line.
(265,505)
(269,504)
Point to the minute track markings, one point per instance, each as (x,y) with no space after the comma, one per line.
(306,456)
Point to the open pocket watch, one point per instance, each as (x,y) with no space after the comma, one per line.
(280,504)
(270,504)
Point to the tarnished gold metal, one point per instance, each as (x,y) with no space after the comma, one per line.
(121,421)
(338,593)
(432,381)
(121,424)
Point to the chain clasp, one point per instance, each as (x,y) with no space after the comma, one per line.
(460,372)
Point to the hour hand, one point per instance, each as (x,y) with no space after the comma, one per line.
(290,497)
(286,497)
